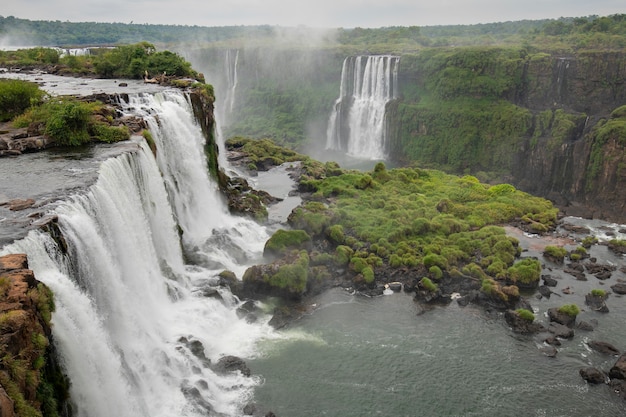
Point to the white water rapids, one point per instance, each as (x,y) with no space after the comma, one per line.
(124,295)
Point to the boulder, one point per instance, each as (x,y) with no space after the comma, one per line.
(520,324)
(232,364)
(593,375)
(619,288)
(549,281)
(562,318)
(561,331)
(603,347)
(619,387)
(597,302)
(618,371)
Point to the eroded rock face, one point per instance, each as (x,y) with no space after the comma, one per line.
(24,334)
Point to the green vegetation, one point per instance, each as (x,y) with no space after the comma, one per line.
(525,314)
(598,292)
(263,151)
(410,217)
(72,123)
(428,285)
(291,277)
(525,272)
(17,96)
(132,61)
(285,240)
(571,310)
(556,253)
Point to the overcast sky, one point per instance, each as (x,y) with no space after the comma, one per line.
(311,13)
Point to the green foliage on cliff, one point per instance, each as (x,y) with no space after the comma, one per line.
(16,96)
(291,277)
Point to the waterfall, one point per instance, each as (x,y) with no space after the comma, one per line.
(357,122)
(129,311)
(230,63)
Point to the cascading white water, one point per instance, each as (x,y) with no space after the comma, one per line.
(198,206)
(230,67)
(126,304)
(357,122)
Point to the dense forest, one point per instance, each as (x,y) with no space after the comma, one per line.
(590,31)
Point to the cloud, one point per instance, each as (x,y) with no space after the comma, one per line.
(312,13)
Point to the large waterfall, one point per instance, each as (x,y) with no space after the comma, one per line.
(130,313)
(357,122)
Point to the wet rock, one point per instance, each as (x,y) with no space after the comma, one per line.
(232,364)
(562,318)
(193,395)
(18,204)
(561,331)
(521,325)
(549,281)
(545,291)
(196,348)
(593,375)
(552,340)
(603,347)
(618,371)
(250,409)
(549,351)
(619,387)
(597,302)
(587,326)
(619,289)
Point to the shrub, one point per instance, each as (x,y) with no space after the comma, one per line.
(436,272)
(525,314)
(292,277)
(368,274)
(598,293)
(335,233)
(428,285)
(557,253)
(283,240)
(343,254)
(16,96)
(527,271)
(571,310)
(110,134)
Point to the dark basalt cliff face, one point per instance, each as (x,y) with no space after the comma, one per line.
(585,174)
(552,125)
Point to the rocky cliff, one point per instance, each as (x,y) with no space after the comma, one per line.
(31,383)
(549,124)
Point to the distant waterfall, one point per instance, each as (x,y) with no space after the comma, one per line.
(357,122)
(230,67)
(127,305)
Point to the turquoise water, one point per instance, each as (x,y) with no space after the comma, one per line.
(357,356)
